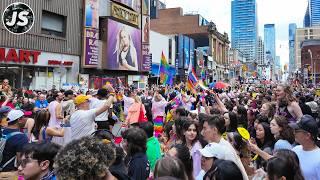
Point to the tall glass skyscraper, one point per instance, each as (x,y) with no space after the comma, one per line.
(292,34)
(312,17)
(270,43)
(244,27)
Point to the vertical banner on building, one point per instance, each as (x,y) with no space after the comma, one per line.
(192,51)
(145,7)
(145,29)
(91,33)
(186,52)
(91,47)
(180,51)
(91,14)
(146,60)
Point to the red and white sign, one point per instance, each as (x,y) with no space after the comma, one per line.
(19,56)
(36,58)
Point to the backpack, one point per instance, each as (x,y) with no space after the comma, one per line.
(3,141)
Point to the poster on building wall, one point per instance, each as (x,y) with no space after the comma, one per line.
(92,14)
(134,4)
(123,47)
(146,60)
(91,47)
(145,29)
(145,7)
(186,52)
(180,51)
(191,51)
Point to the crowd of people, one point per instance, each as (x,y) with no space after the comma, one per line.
(245,131)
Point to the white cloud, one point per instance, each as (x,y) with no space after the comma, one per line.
(278,12)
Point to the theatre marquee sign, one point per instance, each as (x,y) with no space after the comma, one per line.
(124,14)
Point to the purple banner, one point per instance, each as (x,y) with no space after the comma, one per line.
(91,47)
(123,47)
(146,60)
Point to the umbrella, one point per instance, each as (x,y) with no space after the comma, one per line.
(221,85)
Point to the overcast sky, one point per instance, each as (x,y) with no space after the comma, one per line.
(278,12)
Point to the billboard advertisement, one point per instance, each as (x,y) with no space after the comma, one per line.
(146,60)
(146,29)
(134,4)
(191,51)
(145,7)
(186,52)
(92,14)
(180,51)
(91,47)
(123,47)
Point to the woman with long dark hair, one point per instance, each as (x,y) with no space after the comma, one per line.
(191,140)
(41,130)
(264,140)
(135,144)
(284,164)
(182,152)
(231,121)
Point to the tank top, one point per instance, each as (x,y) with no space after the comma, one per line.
(285,112)
(45,138)
(53,122)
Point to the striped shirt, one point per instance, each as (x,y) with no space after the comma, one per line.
(82,123)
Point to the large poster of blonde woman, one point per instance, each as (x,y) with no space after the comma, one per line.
(124,47)
(92,13)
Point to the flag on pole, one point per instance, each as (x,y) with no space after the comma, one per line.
(165,75)
(192,79)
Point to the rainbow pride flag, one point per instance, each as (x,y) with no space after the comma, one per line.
(165,75)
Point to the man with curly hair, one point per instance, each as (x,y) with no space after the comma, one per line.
(87,158)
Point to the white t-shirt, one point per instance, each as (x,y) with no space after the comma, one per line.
(309,162)
(128,101)
(233,156)
(96,103)
(82,123)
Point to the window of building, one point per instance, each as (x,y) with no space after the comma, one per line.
(53,24)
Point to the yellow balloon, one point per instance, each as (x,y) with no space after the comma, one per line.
(244,133)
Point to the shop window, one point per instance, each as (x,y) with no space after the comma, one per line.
(53,24)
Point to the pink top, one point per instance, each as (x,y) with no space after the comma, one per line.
(158,108)
(53,122)
(134,112)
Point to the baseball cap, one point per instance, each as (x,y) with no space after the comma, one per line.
(14,115)
(81,99)
(214,150)
(5,109)
(306,123)
(94,92)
